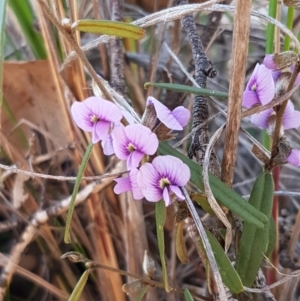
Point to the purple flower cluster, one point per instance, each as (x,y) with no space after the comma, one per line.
(264,84)
(160,179)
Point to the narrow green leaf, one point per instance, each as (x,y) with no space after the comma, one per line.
(23,12)
(201,200)
(272,238)
(223,194)
(67,237)
(79,286)
(254,242)
(141,294)
(187,295)
(160,216)
(188,89)
(112,28)
(228,274)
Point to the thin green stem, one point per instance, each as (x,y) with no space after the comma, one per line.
(289,25)
(270,34)
(67,237)
(271,28)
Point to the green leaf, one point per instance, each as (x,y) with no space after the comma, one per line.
(67,237)
(26,19)
(254,242)
(228,274)
(79,286)
(160,216)
(187,295)
(223,194)
(141,294)
(111,28)
(201,200)
(188,89)
(272,238)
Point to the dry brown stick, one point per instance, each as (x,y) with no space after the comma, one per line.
(236,87)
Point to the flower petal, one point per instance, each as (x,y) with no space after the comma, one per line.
(142,138)
(123,185)
(164,114)
(166,197)
(261,119)
(173,169)
(294,157)
(269,62)
(148,181)
(107,146)
(120,143)
(250,98)
(265,85)
(104,109)
(182,115)
(100,131)
(253,78)
(81,115)
(134,159)
(176,190)
(136,190)
(291,118)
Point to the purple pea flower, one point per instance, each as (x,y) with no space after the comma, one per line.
(291,118)
(287,61)
(269,62)
(96,115)
(294,157)
(260,88)
(129,184)
(165,175)
(174,120)
(132,142)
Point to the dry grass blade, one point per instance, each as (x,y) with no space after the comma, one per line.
(207,247)
(210,197)
(36,279)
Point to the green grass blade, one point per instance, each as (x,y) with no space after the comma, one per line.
(271,27)
(188,89)
(75,296)
(141,294)
(160,217)
(223,194)
(188,296)
(67,237)
(25,17)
